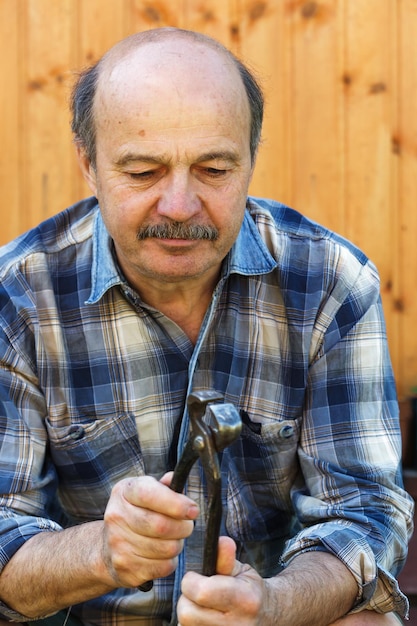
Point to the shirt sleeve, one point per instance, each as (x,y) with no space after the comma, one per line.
(349,496)
(27,479)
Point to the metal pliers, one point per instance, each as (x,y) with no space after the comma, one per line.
(214,426)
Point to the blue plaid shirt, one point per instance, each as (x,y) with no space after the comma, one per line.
(93,384)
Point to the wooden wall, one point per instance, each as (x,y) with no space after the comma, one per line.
(340,137)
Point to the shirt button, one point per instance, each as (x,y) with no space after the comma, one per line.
(286,431)
(76,432)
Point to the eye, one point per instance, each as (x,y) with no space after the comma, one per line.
(213,172)
(142,175)
(146,177)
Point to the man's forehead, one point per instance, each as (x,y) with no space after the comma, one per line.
(162,71)
(173,86)
(173,48)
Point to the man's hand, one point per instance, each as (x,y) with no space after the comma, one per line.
(235,595)
(314,590)
(140,538)
(145,525)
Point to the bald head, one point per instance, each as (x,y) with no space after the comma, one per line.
(186,62)
(129,45)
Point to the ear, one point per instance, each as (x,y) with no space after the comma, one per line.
(87,168)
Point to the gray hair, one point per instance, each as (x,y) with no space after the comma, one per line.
(85,87)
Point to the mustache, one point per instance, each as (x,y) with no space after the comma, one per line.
(178,230)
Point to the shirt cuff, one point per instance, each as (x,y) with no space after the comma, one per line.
(378,590)
(15,530)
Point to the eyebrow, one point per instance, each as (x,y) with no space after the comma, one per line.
(133,157)
(223,155)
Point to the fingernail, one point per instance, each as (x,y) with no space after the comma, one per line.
(192,512)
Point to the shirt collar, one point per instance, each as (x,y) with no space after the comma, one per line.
(248,256)
(104,271)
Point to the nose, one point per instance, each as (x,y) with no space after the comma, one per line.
(179,200)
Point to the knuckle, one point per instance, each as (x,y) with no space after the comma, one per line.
(176,547)
(169,549)
(112,515)
(162,526)
(168,567)
(144,487)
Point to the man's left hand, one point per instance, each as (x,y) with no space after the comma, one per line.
(235,595)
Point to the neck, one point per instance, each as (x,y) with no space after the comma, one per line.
(184,303)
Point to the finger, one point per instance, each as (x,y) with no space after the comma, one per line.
(210,592)
(148,493)
(167,478)
(132,557)
(209,600)
(190,614)
(130,569)
(136,523)
(238,594)
(226,557)
(153,549)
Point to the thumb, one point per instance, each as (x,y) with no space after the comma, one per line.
(226,557)
(167,478)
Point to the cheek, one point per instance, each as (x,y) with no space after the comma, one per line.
(229,227)
(119,218)
(119,205)
(123,222)
(232,209)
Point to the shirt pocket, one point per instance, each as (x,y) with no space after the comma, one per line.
(90,456)
(261,467)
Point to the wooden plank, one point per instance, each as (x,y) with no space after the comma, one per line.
(369,102)
(317,111)
(391,291)
(9,107)
(217,19)
(265,40)
(371,201)
(46,57)
(147,14)
(406,145)
(99,25)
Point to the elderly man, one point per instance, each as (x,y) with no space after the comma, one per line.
(172,280)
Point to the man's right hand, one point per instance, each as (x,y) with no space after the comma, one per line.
(143,531)
(145,524)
